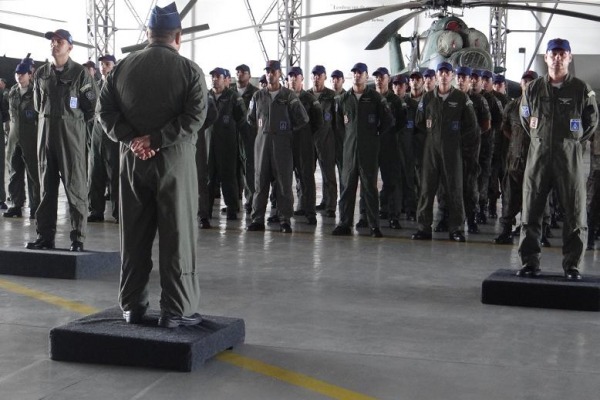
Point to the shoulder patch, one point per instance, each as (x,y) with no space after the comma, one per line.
(591,93)
(85,87)
(469,103)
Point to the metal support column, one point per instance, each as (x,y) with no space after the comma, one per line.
(100,27)
(289,12)
(498,32)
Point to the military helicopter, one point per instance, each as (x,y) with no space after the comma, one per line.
(448,38)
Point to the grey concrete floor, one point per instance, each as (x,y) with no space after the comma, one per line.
(361,317)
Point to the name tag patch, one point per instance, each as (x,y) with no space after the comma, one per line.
(455,125)
(533,123)
(260,123)
(410,124)
(73,102)
(283,125)
(575,125)
(327,116)
(428,123)
(525,111)
(226,119)
(372,118)
(346,120)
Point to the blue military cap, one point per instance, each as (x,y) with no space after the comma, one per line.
(89,64)
(487,74)
(165,19)
(23,68)
(463,71)
(399,79)
(295,71)
(445,65)
(529,75)
(318,69)
(428,72)
(243,67)
(360,67)
(557,43)
(218,71)
(381,71)
(337,74)
(418,74)
(227,74)
(476,72)
(107,57)
(499,78)
(273,64)
(61,33)
(263,79)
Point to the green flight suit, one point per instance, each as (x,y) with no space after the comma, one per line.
(103,170)
(224,148)
(4,117)
(204,200)
(408,148)
(65,101)
(486,149)
(22,149)
(248,134)
(498,157)
(451,141)
(277,121)
(364,121)
(558,120)
(303,145)
(325,146)
(391,160)
(157,92)
(339,131)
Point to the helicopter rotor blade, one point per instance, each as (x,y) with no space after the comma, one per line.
(36,33)
(358,19)
(31,16)
(557,11)
(384,36)
(188,7)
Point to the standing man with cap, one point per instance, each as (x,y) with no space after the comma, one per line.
(559,112)
(500,148)
(408,148)
(104,161)
(365,114)
(278,114)
(4,126)
(159,186)
(248,133)
(446,118)
(325,140)
(470,170)
(337,83)
(518,146)
(304,148)
(65,99)
(391,162)
(487,139)
(22,145)
(224,145)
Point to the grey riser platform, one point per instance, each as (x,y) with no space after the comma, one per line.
(60,263)
(546,291)
(105,338)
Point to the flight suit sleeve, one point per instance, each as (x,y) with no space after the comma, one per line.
(386,119)
(589,117)
(525,109)
(316,116)
(191,118)
(251,115)
(470,138)
(506,124)
(88,96)
(297,113)
(239,112)
(112,120)
(211,113)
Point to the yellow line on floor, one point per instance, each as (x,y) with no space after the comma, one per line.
(250,364)
(294,378)
(48,298)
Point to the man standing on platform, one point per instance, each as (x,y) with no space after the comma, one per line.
(154,103)
(65,99)
(559,112)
